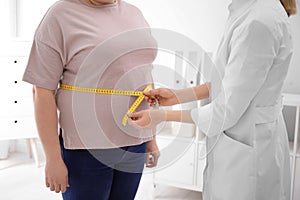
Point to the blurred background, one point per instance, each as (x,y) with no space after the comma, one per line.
(21,155)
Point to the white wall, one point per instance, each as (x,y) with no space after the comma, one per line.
(201,20)
(29,15)
(7,19)
(19,18)
(292,84)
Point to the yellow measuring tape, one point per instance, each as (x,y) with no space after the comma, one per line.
(133,107)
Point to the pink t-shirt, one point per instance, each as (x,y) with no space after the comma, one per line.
(97,47)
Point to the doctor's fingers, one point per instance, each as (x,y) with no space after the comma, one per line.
(135,115)
(141,123)
(151,101)
(140,115)
(136,123)
(154,93)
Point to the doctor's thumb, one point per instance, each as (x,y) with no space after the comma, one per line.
(134,115)
(152,93)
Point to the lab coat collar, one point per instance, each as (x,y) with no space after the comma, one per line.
(237,8)
(237,5)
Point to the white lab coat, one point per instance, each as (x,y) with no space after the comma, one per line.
(247,144)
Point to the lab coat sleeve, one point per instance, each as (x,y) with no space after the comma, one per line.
(251,53)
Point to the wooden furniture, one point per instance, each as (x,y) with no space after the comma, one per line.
(16,104)
(181,145)
(293,100)
(182,160)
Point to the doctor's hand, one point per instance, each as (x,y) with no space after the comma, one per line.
(146,119)
(152,153)
(164,97)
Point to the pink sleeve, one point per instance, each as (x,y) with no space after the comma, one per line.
(45,66)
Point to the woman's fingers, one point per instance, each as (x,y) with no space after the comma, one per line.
(149,160)
(63,187)
(56,175)
(47,182)
(152,159)
(56,186)
(52,186)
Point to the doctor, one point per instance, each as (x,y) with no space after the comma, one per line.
(249,157)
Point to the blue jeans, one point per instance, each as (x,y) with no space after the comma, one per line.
(103,174)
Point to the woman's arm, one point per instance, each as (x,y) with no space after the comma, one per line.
(152,152)
(47,125)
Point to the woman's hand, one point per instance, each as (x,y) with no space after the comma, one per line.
(152,154)
(56,175)
(164,97)
(146,119)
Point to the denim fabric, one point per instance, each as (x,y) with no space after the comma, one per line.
(104,174)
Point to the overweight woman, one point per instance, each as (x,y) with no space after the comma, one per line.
(81,161)
(247,144)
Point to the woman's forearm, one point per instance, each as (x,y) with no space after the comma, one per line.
(47,122)
(193,94)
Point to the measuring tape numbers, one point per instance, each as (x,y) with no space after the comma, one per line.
(133,107)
